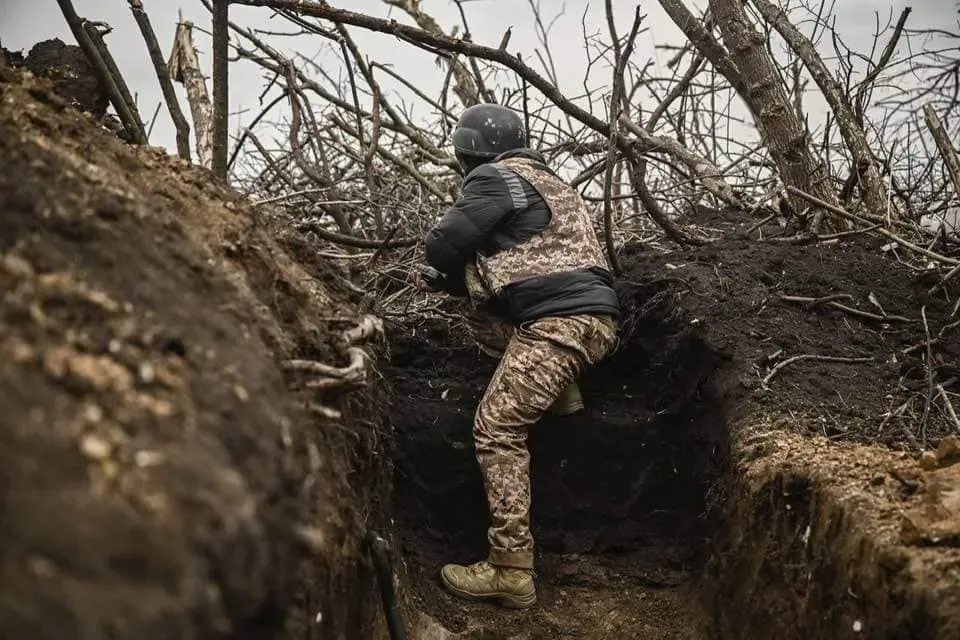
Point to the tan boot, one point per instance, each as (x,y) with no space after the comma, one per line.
(512,588)
(569,401)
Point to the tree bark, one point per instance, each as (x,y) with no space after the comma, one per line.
(221,101)
(942,138)
(163,75)
(782,130)
(874,192)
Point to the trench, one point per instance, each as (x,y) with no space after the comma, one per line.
(622,512)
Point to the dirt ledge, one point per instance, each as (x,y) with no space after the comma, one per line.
(814,545)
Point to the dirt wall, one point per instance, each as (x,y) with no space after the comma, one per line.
(160,479)
(816,544)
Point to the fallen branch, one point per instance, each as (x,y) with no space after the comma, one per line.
(949,405)
(809,356)
(855,218)
(352,241)
(831,301)
(815,238)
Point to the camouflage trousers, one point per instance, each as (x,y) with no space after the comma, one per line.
(539,359)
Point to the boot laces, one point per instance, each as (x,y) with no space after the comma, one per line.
(478,567)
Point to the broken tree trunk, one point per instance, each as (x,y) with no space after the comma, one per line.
(874,192)
(750,70)
(783,132)
(185,68)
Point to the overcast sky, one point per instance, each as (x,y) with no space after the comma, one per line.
(25,22)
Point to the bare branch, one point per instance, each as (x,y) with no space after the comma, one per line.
(163,75)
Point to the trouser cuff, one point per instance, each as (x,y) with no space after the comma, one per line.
(511,559)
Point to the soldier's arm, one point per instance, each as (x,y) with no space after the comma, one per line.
(467,226)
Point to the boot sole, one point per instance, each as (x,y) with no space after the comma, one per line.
(508,600)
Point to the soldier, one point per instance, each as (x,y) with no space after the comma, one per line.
(520,245)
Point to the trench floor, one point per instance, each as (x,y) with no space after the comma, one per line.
(640,594)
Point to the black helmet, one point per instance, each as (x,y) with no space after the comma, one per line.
(487,130)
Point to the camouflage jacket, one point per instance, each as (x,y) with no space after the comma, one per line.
(529,235)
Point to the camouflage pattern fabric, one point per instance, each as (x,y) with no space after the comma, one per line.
(568,243)
(540,360)
(491,334)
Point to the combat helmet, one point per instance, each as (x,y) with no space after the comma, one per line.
(484,131)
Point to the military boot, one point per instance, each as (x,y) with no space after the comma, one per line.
(512,588)
(569,401)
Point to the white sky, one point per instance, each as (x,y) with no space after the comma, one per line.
(25,22)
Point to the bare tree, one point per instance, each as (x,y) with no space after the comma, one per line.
(357,153)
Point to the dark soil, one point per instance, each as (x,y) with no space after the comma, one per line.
(814,545)
(632,489)
(619,507)
(730,293)
(160,480)
(155,466)
(72,75)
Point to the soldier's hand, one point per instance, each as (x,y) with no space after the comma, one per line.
(426,278)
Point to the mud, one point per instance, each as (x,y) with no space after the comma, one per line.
(160,476)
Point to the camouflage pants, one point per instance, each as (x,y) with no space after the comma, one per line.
(539,360)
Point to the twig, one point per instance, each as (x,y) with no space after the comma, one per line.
(249,128)
(352,241)
(830,301)
(949,405)
(618,101)
(944,280)
(153,120)
(928,400)
(809,356)
(163,75)
(760,223)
